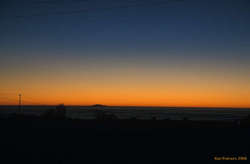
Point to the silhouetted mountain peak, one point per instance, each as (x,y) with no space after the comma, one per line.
(98,105)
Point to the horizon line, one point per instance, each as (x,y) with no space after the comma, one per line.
(104,105)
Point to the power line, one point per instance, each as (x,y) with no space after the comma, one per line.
(21,100)
(31,102)
(8,99)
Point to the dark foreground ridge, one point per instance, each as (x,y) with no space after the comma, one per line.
(53,138)
(126,125)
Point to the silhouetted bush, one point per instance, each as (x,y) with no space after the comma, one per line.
(58,113)
(102,115)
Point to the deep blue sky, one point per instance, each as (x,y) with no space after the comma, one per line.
(192,26)
(214,34)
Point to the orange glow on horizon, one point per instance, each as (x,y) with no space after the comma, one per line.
(134,97)
(129,87)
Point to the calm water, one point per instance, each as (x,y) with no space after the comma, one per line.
(86,112)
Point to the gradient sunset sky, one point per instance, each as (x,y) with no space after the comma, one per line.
(125,52)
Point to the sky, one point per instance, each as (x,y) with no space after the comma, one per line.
(125,52)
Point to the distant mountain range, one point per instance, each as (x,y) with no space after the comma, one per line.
(99,105)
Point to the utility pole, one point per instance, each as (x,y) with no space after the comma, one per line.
(20,103)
